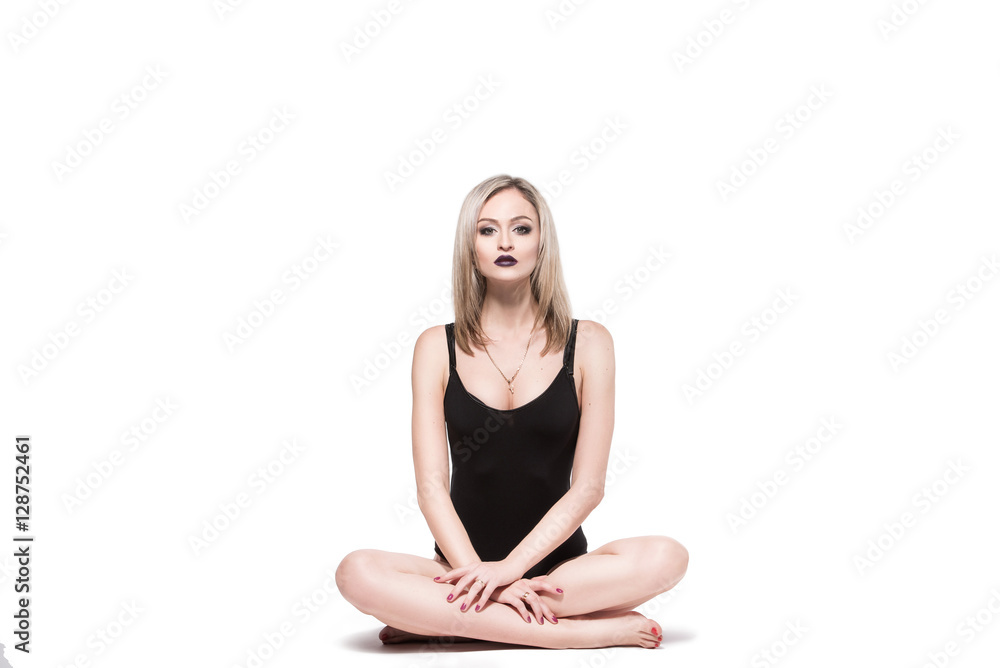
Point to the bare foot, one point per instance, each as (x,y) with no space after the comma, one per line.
(391,636)
(627,628)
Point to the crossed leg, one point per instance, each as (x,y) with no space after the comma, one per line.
(600,589)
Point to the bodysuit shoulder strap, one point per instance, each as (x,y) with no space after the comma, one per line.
(570,348)
(450,331)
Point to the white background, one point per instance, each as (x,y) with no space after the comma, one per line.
(680,467)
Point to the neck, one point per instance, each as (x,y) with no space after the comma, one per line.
(508,311)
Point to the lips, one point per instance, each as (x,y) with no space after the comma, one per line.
(505,261)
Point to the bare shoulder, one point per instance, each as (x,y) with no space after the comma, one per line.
(430,356)
(595,349)
(430,339)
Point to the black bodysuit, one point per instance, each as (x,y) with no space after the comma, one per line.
(510,466)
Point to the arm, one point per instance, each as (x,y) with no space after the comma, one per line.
(430,448)
(596,355)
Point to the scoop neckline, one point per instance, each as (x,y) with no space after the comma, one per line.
(562,372)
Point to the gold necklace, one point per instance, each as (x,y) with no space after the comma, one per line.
(510,381)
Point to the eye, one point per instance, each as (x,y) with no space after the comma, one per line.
(527,230)
(485,231)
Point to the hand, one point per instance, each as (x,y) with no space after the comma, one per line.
(481,578)
(513,595)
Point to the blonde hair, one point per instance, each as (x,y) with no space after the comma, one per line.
(469,286)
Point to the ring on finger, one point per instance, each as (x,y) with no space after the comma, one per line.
(481,582)
(526,594)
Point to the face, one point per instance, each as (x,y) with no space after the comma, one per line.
(507,228)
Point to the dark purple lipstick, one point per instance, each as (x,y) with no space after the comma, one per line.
(505,261)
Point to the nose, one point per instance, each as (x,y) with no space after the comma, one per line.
(503,241)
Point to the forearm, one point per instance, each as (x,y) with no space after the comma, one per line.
(563,518)
(447,528)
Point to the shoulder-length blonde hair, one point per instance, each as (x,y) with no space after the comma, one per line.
(469,286)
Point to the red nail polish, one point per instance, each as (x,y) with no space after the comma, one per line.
(555,621)
(437,577)
(450,596)
(559,590)
(477,608)
(654,629)
(463,607)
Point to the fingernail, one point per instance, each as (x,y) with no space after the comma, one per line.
(463,607)
(558,590)
(437,577)
(477,608)
(555,621)
(654,629)
(450,596)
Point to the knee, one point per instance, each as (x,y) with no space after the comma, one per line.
(354,578)
(668,559)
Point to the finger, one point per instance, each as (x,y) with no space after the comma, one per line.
(521,610)
(484,599)
(547,612)
(516,603)
(460,586)
(545,586)
(536,606)
(470,598)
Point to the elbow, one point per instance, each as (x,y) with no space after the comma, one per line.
(592,491)
(427,494)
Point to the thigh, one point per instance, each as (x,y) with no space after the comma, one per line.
(408,563)
(622,546)
(621,558)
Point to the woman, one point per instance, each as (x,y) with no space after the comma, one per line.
(529,458)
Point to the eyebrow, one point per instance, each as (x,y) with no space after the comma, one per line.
(493,220)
